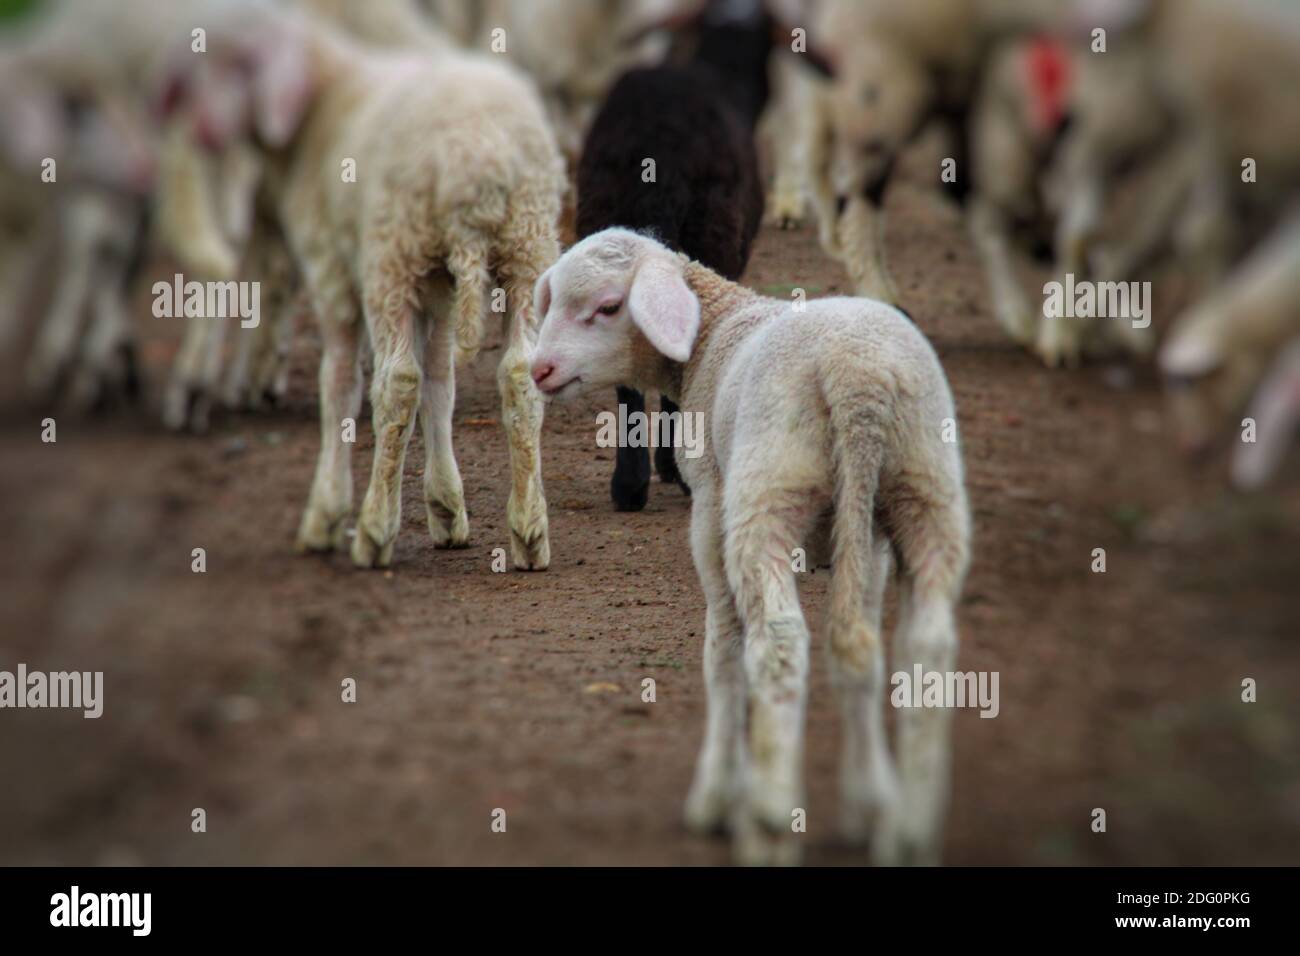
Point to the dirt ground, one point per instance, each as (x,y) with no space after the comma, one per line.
(479,690)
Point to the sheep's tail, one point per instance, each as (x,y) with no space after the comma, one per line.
(857,451)
(468,265)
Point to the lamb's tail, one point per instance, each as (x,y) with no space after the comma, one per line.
(468,264)
(857,451)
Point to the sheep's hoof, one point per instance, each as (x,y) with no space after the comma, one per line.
(448,528)
(895,844)
(709,806)
(1058,344)
(861,815)
(758,845)
(187,407)
(533,553)
(627,498)
(666,465)
(320,533)
(369,553)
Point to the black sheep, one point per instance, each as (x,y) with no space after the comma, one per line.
(696,121)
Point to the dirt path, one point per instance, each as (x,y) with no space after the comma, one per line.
(479,690)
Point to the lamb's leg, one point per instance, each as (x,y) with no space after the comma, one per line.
(81,224)
(444,496)
(104,364)
(764,526)
(630,486)
(1011,306)
(665,453)
(862,243)
(715,788)
(868,784)
(788,134)
(395,399)
(521,414)
(330,502)
(933,552)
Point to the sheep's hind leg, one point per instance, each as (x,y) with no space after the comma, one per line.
(712,798)
(324,520)
(444,495)
(763,529)
(395,398)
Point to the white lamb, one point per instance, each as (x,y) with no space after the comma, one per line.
(839,408)
(457,190)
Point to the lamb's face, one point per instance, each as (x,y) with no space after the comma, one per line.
(600,304)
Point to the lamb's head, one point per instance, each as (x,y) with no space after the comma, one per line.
(614,309)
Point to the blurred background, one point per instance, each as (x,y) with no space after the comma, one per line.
(1163,150)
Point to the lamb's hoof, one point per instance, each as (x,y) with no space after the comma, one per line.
(757,845)
(786,212)
(368,553)
(447,528)
(896,844)
(627,498)
(531,553)
(666,465)
(319,533)
(1058,344)
(187,407)
(708,810)
(1021,326)
(861,814)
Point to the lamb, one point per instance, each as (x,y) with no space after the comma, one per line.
(841,407)
(458,186)
(897,67)
(94,208)
(1217,354)
(706,196)
(1197,87)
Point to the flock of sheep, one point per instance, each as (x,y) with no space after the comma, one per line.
(401,170)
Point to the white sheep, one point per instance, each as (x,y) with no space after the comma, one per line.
(1195,88)
(1218,352)
(457,188)
(839,407)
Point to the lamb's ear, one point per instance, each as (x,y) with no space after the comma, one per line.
(664,308)
(283,86)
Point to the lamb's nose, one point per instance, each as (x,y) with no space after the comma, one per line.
(542,371)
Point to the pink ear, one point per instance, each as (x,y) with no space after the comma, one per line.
(664,308)
(283,87)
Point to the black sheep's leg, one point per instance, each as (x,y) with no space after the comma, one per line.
(630,486)
(665,454)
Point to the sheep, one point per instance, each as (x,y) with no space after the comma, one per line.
(1218,352)
(706,197)
(212,215)
(897,67)
(458,184)
(841,407)
(93,202)
(1195,87)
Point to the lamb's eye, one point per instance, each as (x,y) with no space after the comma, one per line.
(610,308)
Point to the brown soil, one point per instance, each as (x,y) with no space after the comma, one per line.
(479,690)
